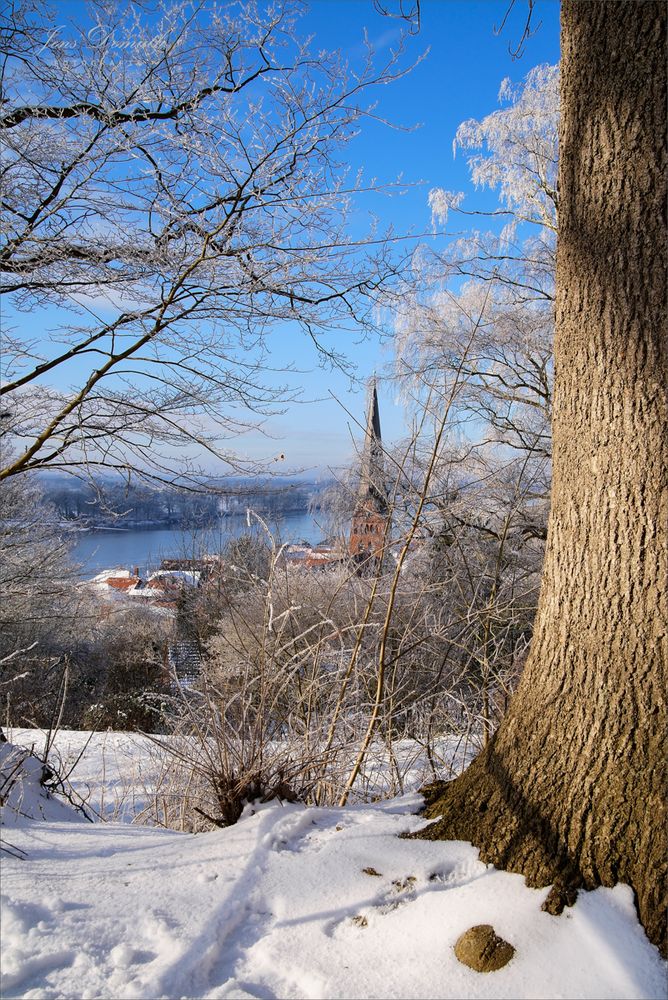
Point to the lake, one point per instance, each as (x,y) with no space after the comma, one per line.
(109,548)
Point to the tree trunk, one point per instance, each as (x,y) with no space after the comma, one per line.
(572,788)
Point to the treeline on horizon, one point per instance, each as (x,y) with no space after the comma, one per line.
(139,505)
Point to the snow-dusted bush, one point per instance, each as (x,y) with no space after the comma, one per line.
(30,789)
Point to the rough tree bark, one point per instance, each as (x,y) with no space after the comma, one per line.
(572,788)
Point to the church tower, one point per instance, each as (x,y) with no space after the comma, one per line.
(369,530)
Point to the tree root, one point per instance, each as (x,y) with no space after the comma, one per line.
(509,832)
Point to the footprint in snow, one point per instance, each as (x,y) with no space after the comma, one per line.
(457,875)
(404,890)
(294,833)
(123,956)
(399,892)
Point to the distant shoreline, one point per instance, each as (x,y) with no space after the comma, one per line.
(76,525)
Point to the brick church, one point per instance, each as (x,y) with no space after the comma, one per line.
(369,532)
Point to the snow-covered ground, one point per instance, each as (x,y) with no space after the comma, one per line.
(289,902)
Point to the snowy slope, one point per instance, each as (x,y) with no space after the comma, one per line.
(280,905)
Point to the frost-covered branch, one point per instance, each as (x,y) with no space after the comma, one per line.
(173,187)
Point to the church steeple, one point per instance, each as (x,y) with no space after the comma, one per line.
(372,489)
(368,534)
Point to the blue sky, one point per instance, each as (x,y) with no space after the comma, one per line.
(458,79)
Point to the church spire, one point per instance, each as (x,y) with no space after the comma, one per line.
(372,489)
(370,524)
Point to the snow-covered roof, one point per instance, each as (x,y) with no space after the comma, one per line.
(107,574)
